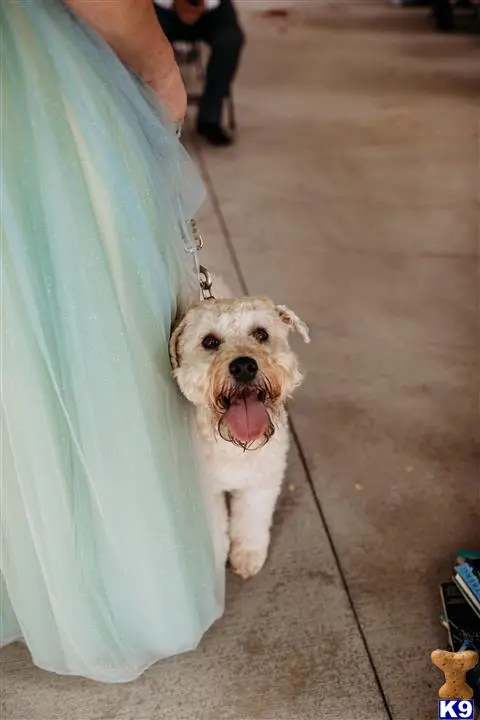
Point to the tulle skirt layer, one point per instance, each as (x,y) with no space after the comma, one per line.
(106,554)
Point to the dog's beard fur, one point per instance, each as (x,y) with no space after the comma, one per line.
(204,373)
(223,391)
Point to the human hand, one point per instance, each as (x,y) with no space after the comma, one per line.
(189,14)
(170,90)
(132,30)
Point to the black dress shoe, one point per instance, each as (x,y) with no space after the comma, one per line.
(214,134)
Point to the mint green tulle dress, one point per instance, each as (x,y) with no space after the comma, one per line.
(106,553)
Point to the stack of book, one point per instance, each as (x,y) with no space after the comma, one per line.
(461,610)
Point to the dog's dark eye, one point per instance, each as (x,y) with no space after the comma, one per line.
(210,342)
(260,334)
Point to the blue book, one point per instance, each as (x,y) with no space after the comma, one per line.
(467,579)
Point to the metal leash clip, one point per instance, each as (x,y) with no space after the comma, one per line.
(206,284)
(206,281)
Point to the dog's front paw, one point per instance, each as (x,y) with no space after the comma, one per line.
(247,561)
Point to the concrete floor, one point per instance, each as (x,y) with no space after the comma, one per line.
(351,196)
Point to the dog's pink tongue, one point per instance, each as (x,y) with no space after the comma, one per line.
(247,418)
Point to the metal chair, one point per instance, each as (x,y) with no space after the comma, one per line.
(443,12)
(189,55)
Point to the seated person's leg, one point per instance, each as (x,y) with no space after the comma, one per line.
(221,30)
(172,26)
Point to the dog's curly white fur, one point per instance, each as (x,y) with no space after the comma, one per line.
(232,360)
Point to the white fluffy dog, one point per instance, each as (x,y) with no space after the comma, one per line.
(232,360)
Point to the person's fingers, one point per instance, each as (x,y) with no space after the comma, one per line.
(171,92)
(179,105)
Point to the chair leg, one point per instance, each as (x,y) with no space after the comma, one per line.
(232,122)
(199,64)
(443,15)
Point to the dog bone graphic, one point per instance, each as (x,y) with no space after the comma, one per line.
(455,667)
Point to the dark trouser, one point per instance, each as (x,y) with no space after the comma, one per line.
(220,29)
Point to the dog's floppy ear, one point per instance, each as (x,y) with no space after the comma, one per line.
(174,346)
(288,317)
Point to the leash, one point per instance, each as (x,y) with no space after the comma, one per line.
(204,275)
(205,279)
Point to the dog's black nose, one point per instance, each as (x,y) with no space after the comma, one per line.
(243,369)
